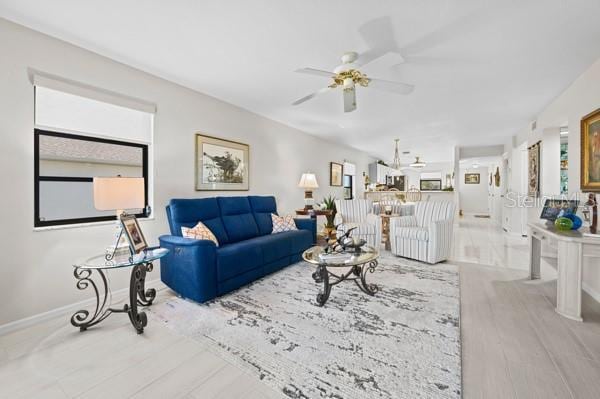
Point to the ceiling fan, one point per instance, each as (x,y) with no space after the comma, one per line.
(348,76)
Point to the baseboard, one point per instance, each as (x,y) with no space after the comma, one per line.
(591,292)
(72,308)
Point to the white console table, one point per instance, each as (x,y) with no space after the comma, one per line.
(572,248)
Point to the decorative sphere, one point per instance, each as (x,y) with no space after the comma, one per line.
(563,224)
(577,222)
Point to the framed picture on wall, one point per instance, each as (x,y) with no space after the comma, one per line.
(533,174)
(336,173)
(590,152)
(221,164)
(472,178)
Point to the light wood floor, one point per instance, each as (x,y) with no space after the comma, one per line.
(514,344)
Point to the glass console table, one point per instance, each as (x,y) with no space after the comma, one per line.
(140,264)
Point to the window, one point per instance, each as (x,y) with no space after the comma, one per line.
(431,184)
(82,132)
(65,165)
(431,181)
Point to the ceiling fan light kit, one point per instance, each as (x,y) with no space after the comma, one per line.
(418,164)
(348,76)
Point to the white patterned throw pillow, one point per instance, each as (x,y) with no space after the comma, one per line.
(283,223)
(199,232)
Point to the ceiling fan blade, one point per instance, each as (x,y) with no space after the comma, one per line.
(378,34)
(317,72)
(312,95)
(349,99)
(391,87)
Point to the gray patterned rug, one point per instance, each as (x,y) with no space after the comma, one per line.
(402,343)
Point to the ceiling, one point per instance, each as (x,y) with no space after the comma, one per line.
(482,69)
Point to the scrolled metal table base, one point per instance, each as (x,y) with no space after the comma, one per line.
(138,296)
(357,273)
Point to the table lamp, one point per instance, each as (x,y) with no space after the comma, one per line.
(118,194)
(308,182)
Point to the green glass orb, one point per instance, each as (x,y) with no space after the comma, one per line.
(563,224)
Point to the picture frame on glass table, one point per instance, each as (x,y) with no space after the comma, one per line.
(133,232)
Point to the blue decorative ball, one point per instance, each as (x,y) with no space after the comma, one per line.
(577,222)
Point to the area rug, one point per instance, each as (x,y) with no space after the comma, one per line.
(404,342)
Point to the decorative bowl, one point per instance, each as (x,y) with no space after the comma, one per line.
(563,223)
(577,222)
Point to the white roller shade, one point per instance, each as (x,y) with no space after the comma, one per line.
(349,169)
(42,79)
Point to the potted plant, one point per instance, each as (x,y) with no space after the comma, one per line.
(329,204)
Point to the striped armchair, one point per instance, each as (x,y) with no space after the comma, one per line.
(359,213)
(426,236)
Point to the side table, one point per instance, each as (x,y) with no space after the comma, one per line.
(138,295)
(313,213)
(385,229)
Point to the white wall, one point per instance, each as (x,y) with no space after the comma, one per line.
(578,100)
(36,272)
(474,197)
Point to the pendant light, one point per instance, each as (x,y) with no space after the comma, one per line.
(396,162)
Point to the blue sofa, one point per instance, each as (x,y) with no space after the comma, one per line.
(199,270)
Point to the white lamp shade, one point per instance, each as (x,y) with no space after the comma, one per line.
(308,181)
(118,193)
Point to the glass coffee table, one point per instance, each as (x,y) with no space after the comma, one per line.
(331,272)
(138,294)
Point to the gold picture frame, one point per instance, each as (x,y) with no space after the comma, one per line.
(221,165)
(472,178)
(590,152)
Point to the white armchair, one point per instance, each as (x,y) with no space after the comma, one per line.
(359,213)
(426,236)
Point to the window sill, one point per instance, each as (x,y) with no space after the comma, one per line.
(82,225)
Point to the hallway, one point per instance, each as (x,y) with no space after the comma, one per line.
(514,345)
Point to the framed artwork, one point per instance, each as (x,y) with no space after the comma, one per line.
(431,184)
(533,176)
(472,178)
(590,152)
(134,234)
(497,176)
(221,164)
(336,172)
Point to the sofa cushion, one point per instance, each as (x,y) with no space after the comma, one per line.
(188,212)
(301,240)
(273,246)
(238,258)
(262,208)
(237,218)
(413,233)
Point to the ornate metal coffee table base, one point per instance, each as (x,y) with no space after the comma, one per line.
(138,296)
(357,273)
